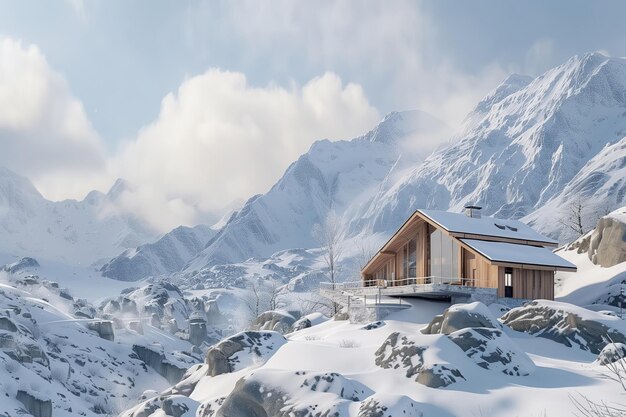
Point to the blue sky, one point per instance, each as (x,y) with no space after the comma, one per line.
(141,72)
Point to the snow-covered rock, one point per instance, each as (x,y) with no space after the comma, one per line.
(400,351)
(611,353)
(284,393)
(279,321)
(162,300)
(607,243)
(567,324)
(242,350)
(462,316)
(492,349)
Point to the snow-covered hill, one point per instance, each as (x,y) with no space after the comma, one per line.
(519,148)
(71,232)
(168,254)
(397,368)
(331,175)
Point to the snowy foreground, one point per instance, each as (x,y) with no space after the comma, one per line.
(392,368)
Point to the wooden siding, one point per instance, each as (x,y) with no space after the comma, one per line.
(479,269)
(530,284)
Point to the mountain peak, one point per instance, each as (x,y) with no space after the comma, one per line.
(399,124)
(10,182)
(119,186)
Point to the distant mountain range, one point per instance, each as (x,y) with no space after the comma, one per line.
(528,150)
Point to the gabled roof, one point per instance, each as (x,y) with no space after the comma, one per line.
(459,223)
(512,253)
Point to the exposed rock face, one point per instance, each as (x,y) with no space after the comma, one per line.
(462,316)
(492,349)
(303,323)
(22,264)
(242,349)
(398,351)
(607,244)
(157,361)
(273,320)
(34,405)
(104,328)
(197,329)
(256,396)
(612,352)
(562,323)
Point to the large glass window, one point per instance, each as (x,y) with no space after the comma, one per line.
(444,252)
(410,259)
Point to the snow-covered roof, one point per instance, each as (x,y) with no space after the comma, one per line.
(485,226)
(518,254)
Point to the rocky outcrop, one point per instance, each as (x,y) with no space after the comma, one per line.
(157,361)
(462,316)
(34,405)
(257,396)
(607,243)
(565,324)
(104,328)
(241,350)
(400,352)
(611,353)
(377,406)
(492,349)
(278,321)
(20,265)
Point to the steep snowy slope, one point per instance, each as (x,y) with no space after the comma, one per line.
(72,232)
(168,254)
(331,175)
(520,146)
(599,187)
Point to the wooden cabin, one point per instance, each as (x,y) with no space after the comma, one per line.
(468,249)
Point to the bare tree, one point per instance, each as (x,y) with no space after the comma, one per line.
(366,251)
(252,300)
(330,236)
(573,217)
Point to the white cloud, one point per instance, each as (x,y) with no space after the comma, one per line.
(396,49)
(44,131)
(218,139)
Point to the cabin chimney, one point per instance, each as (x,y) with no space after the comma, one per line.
(472,211)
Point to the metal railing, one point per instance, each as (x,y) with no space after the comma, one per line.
(378,283)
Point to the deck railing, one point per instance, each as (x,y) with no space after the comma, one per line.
(376,284)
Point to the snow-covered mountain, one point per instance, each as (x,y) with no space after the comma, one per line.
(168,254)
(331,175)
(599,187)
(519,148)
(70,231)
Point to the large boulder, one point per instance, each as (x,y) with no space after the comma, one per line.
(279,321)
(462,316)
(494,350)
(607,243)
(242,350)
(399,351)
(567,324)
(259,395)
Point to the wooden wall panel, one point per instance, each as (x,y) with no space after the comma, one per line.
(533,284)
(478,268)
